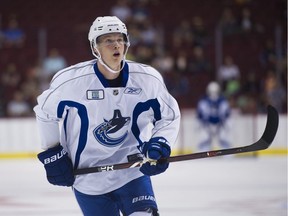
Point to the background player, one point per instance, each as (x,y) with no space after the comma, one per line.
(111,111)
(213,112)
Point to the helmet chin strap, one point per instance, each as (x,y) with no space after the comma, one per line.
(99,58)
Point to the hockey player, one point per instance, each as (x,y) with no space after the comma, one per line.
(110,110)
(213,112)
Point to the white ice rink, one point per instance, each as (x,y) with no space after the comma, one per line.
(205,187)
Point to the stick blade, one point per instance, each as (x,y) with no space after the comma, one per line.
(270,129)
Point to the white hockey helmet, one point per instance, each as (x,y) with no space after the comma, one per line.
(105,25)
(213,90)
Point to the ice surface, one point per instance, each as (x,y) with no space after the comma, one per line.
(205,187)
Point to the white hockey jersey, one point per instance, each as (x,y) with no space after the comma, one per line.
(102,125)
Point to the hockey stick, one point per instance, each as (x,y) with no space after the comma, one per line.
(263,143)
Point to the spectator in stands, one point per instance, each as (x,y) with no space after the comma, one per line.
(199,31)
(228,22)
(140,11)
(149,34)
(10,78)
(247,24)
(122,10)
(51,64)
(181,62)
(183,35)
(274,93)
(134,35)
(275,60)
(145,54)
(30,86)
(233,88)
(199,64)
(13,36)
(18,107)
(164,62)
(228,72)
(268,58)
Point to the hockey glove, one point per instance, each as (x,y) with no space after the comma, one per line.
(157,148)
(58,166)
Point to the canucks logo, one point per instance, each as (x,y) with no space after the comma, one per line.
(104,131)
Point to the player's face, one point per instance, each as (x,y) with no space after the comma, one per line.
(111,48)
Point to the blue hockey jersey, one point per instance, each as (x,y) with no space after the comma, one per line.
(213,111)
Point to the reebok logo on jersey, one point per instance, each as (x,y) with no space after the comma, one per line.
(132,90)
(95,94)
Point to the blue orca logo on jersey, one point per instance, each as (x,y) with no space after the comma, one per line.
(102,131)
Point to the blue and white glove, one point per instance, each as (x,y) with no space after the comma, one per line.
(156,148)
(58,166)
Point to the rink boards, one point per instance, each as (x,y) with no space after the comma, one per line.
(19,137)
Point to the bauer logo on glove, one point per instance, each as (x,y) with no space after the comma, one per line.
(55,157)
(58,166)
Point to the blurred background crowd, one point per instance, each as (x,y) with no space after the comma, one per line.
(240,43)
